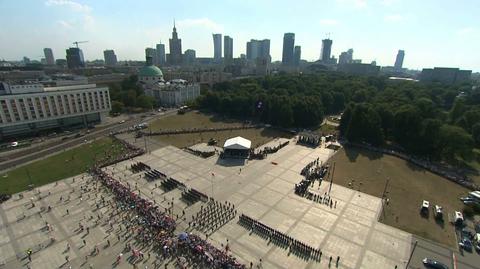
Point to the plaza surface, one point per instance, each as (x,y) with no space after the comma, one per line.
(261,189)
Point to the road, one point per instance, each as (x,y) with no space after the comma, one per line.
(429,249)
(31,154)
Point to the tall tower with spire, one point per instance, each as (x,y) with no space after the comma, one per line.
(175,56)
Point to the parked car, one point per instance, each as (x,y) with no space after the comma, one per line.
(425,207)
(466,244)
(430,263)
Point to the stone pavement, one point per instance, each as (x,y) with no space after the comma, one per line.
(260,189)
(264,190)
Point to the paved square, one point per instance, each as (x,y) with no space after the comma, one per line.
(262,189)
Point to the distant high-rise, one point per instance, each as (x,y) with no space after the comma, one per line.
(190,56)
(288,45)
(151,52)
(346,57)
(217,47)
(297,54)
(326,49)
(258,49)
(175,56)
(49,56)
(399,59)
(161,54)
(110,57)
(75,58)
(227,48)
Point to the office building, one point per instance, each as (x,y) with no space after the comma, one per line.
(190,57)
(227,49)
(32,108)
(161,54)
(399,60)
(175,56)
(75,58)
(346,57)
(297,55)
(152,53)
(288,46)
(217,47)
(445,75)
(110,57)
(258,49)
(359,69)
(326,50)
(49,56)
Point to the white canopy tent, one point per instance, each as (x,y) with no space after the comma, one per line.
(237,143)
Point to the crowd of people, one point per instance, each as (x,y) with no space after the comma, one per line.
(260,154)
(203,154)
(310,139)
(130,152)
(213,216)
(191,196)
(295,246)
(199,130)
(156,227)
(139,167)
(312,171)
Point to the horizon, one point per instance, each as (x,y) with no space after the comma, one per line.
(444,37)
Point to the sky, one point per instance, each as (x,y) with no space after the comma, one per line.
(432,32)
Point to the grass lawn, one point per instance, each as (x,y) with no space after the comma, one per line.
(194,119)
(327,129)
(66,164)
(408,186)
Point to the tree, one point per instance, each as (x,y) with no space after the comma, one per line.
(407,126)
(455,142)
(365,125)
(476,133)
(145,102)
(117,107)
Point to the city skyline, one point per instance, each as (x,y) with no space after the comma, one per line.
(356,24)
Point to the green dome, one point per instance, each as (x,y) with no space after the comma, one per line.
(150,71)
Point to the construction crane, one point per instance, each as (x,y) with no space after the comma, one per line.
(78,42)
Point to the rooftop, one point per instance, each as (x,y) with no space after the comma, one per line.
(237,143)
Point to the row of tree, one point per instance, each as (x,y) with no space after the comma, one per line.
(129,96)
(432,120)
(436,121)
(285,100)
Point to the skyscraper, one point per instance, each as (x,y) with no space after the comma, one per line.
(288,45)
(227,48)
(49,56)
(217,47)
(326,49)
(151,52)
(190,56)
(161,54)
(297,54)
(258,49)
(110,57)
(399,59)
(75,58)
(175,56)
(346,57)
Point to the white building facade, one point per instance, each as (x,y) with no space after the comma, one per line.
(32,108)
(174,93)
